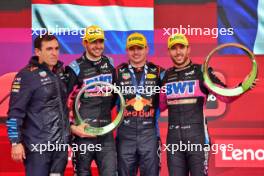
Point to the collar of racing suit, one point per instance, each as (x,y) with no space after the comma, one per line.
(138,69)
(183,68)
(86,59)
(34,61)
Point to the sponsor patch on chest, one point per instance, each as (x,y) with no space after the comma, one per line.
(103,77)
(181,89)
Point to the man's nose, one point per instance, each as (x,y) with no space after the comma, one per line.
(97,44)
(136,51)
(178,51)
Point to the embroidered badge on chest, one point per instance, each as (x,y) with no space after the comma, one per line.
(43,74)
(126,76)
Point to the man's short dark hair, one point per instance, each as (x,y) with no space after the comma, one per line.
(47,37)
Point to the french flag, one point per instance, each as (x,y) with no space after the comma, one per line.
(247,20)
(245,17)
(118,18)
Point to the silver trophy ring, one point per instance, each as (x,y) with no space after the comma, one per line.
(99,131)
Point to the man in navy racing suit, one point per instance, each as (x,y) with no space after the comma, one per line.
(38,114)
(138,135)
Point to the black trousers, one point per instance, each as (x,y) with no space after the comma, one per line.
(47,163)
(193,160)
(105,158)
(137,149)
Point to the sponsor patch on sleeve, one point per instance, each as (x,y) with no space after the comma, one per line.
(16,85)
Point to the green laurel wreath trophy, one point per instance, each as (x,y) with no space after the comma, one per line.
(246,84)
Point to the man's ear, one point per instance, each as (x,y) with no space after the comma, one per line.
(127,49)
(84,43)
(37,51)
(189,50)
(168,51)
(147,49)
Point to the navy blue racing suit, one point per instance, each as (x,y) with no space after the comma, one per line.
(96,110)
(38,115)
(138,135)
(185,98)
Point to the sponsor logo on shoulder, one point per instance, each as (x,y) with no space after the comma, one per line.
(122,70)
(189,73)
(104,66)
(151,76)
(153,69)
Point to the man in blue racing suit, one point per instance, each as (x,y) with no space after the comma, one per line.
(138,135)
